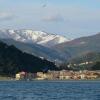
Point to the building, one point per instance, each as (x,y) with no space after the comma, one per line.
(20,75)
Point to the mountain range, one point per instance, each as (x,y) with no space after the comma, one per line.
(37,37)
(81,46)
(35,42)
(52,47)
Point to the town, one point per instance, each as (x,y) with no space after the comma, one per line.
(58,75)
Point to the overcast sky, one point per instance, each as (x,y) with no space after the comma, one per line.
(72,18)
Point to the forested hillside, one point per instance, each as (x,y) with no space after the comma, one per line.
(13,60)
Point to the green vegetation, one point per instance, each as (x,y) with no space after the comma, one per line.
(13,60)
(96,66)
(89,61)
(90,56)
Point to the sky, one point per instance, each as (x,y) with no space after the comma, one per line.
(70,18)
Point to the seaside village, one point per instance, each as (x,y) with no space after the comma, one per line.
(58,75)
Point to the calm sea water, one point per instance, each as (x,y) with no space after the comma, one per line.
(50,90)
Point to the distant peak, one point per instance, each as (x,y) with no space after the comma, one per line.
(30,36)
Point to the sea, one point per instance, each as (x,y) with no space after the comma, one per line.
(50,90)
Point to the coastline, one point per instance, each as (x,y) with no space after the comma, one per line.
(3,78)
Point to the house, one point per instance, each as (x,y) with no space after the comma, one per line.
(20,75)
(41,76)
(64,74)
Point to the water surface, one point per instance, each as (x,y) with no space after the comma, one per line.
(50,90)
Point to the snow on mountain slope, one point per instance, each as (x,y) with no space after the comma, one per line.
(30,36)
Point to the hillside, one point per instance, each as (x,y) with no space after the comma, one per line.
(89,61)
(13,60)
(91,56)
(80,46)
(37,50)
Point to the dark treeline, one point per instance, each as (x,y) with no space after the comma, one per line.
(13,60)
(96,66)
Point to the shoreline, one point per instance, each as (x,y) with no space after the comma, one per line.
(2,78)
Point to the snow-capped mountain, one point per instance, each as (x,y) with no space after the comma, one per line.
(30,36)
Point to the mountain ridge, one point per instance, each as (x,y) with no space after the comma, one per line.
(30,36)
(80,46)
(37,50)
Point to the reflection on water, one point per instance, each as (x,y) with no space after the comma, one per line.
(50,90)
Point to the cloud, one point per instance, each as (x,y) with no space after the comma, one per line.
(53,18)
(6,16)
